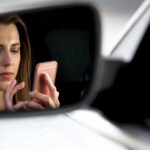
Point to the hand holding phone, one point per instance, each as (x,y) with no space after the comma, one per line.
(39,83)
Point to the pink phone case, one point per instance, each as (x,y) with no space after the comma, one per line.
(39,84)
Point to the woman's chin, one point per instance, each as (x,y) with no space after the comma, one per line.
(4,86)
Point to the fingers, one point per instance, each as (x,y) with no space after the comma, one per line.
(53,91)
(44,99)
(50,84)
(33,105)
(17,88)
(28,105)
(19,105)
(10,92)
(7,97)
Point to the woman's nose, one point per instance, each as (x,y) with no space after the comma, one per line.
(7,59)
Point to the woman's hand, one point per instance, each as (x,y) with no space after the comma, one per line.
(10,92)
(46,100)
(38,100)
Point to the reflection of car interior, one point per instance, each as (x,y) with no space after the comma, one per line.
(67,38)
(128,97)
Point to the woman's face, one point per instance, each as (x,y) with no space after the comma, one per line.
(9,54)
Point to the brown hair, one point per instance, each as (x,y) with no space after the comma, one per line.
(25,63)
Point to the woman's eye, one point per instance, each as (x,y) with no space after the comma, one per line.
(15,50)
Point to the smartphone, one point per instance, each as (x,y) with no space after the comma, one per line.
(39,83)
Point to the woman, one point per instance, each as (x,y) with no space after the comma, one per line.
(15,67)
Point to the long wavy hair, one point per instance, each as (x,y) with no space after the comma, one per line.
(25,62)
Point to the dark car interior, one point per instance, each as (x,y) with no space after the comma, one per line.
(67,36)
(127,99)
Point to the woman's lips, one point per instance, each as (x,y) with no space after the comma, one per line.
(6,75)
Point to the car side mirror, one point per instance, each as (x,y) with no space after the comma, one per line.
(69,35)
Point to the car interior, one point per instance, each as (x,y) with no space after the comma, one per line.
(67,35)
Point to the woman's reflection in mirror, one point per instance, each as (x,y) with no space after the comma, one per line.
(15,68)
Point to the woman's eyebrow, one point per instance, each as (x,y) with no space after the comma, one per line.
(16,44)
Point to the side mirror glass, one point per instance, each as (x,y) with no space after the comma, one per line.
(70,36)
